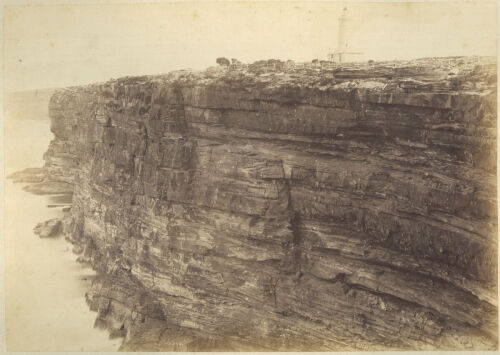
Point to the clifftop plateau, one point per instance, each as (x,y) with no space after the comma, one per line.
(282,206)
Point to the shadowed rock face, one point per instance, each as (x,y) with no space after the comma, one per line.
(259,208)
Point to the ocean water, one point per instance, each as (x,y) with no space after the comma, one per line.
(45,308)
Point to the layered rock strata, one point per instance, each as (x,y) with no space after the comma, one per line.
(258,208)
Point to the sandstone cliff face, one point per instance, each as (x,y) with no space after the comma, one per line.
(287,209)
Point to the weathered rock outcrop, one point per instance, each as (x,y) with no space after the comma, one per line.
(287,208)
(29,175)
(49,229)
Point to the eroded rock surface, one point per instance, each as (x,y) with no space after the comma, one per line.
(29,175)
(49,229)
(283,207)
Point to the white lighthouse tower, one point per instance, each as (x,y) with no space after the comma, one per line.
(344,52)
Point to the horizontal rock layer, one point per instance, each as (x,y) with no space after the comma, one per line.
(287,209)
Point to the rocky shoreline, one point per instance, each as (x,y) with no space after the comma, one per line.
(276,206)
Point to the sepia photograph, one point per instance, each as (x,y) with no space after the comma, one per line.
(249,176)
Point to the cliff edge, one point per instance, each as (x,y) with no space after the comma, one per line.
(277,207)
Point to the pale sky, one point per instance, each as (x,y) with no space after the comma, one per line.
(63,45)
